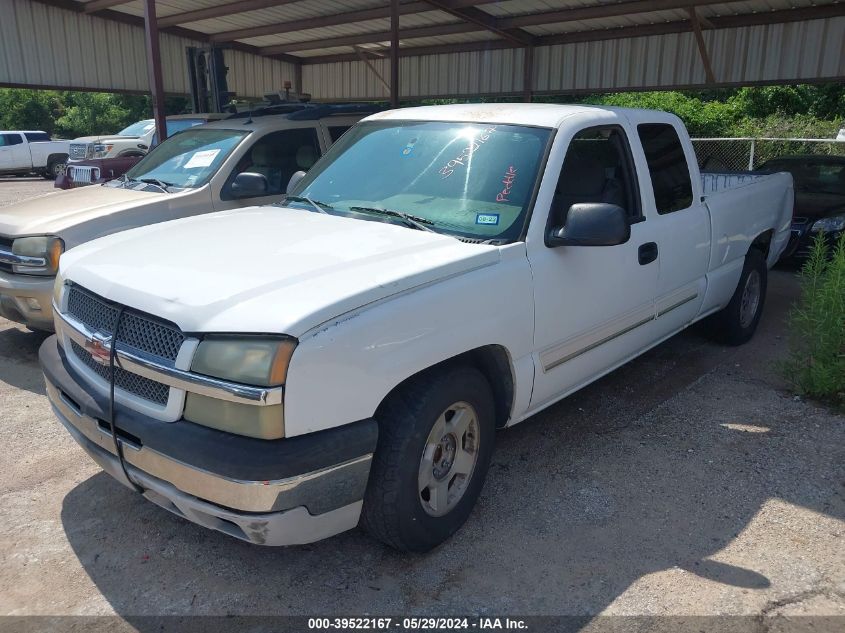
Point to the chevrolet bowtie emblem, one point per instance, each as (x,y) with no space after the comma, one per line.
(99,346)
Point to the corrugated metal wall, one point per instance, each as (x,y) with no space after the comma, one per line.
(42,45)
(788,52)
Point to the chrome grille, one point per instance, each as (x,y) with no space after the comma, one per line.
(127,381)
(83,174)
(78,151)
(141,332)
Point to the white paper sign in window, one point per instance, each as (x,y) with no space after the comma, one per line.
(202,159)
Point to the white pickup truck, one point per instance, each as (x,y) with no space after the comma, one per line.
(32,152)
(284,373)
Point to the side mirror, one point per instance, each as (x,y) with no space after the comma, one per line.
(294,181)
(249,185)
(592,224)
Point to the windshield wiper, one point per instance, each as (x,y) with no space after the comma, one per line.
(158,183)
(320,207)
(413,221)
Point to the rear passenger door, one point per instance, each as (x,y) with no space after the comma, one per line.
(276,156)
(682,223)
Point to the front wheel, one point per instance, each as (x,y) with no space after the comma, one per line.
(436,436)
(736,323)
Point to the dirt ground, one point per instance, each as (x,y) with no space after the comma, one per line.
(687,483)
(14,189)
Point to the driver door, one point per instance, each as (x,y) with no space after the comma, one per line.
(594,304)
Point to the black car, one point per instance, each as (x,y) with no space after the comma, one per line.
(819,199)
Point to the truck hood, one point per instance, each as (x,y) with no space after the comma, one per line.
(55,212)
(265,269)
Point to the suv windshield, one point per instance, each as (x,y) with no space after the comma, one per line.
(137,129)
(467,179)
(188,159)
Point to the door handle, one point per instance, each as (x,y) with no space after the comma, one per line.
(647,253)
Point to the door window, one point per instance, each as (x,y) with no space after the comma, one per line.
(336,131)
(11,139)
(277,156)
(667,166)
(597,168)
(35,137)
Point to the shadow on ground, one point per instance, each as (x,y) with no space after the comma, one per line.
(621,480)
(19,346)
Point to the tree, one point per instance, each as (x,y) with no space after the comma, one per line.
(29,109)
(92,113)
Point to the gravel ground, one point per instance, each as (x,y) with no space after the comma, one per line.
(14,189)
(687,483)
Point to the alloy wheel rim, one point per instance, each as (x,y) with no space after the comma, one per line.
(750,300)
(448,459)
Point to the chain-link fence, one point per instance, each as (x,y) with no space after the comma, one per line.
(738,154)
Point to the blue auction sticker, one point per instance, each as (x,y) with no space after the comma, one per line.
(487,218)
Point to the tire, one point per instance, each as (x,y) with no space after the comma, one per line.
(402,507)
(736,323)
(55,168)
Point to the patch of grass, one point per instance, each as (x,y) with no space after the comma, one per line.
(816,363)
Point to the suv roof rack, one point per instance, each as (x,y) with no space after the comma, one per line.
(321,110)
(307,111)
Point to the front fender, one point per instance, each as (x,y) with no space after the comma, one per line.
(342,370)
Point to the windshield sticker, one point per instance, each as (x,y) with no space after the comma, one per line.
(487,218)
(203,158)
(409,148)
(449,168)
(507,181)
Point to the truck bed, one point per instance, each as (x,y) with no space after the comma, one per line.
(714,182)
(743,204)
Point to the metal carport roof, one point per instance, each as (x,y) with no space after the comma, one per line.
(341,50)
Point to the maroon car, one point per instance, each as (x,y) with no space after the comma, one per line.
(94,171)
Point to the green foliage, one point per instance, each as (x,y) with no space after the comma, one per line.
(72,114)
(769,111)
(702,117)
(29,109)
(816,362)
(92,113)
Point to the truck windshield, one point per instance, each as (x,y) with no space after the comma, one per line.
(137,129)
(188,159)
(468,179)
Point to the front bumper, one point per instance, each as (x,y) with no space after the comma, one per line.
(268,492)
(801,241)
(27,299)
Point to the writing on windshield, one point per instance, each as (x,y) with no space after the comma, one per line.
(467,179)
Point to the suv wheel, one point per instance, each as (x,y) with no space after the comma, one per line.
(436,436)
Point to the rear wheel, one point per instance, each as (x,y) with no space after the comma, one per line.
(55,168)
(736,323)
(436,436)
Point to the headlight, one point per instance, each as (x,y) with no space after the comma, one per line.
(40,255)
(252,360)
(101,150)
(249,359)
(58,286)
(829,225)
(266,423)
